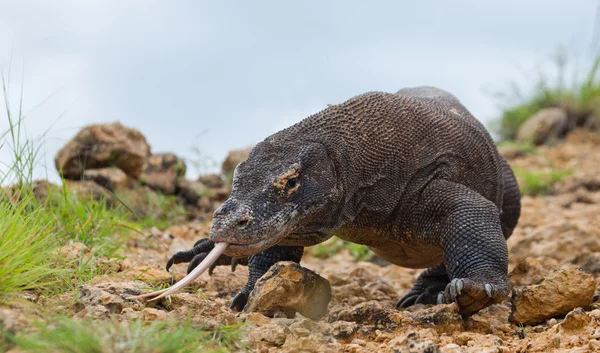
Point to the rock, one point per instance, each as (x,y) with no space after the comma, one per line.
(101,146)
(370,313)
(492,319)
(213,181)
(443,318)
(545,126)
(561,240)
(191,191)
(151,314)
(590,183)
(74,251)
(103,299)
(97,296)
(575,321)
(217,188)
(556,294)
(530,270)
(289,288)
(41,189)
(404,344)
(344,329)
(162,172)
(588,262)
(88,190)
(109,178)
(274,334)
(234,158)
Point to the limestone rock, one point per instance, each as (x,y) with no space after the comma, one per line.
(101,146)
(162,172)
(588,262)
(369,313)
(233,159)
(561,240)
(530,270)
(557,294)
(443,318)
(213,181)
(103,299)
(274,334)
(152,314)
(217,189)
(74,251)
(40,189)
(109,178)
(289,288)
(544,126)
(403,344)
(344,329)
(88,190)
(191,191)
(96,296)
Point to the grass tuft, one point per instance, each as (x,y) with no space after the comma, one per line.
(581,99)
(335,245)
(72,336)
(26,243)
(538,182)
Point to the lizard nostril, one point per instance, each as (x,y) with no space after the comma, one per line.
(243,221)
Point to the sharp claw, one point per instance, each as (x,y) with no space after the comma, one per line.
(440,298)
(419,299)
(239,302)
(488,289)
(459,286)
(404,301)
(234,263)
(455,289)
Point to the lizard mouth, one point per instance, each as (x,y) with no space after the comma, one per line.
(244,250)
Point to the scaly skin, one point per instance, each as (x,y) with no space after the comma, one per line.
(412,175)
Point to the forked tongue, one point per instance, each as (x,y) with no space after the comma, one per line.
(203,266)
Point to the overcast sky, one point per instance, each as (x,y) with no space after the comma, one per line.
(226,74)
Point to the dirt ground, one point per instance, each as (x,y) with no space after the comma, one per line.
(558,231)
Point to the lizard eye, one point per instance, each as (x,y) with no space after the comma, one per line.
(291,183)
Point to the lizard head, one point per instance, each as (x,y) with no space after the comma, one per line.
(284,190)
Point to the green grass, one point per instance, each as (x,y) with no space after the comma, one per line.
(538,182)
(151,209)
(27,243)
(68,335)
(581,98)
(31,234)
(335,245)
(522,147)
(32,230)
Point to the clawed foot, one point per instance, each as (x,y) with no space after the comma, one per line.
(422,293)
(195,256)
(239,301)
(472,296)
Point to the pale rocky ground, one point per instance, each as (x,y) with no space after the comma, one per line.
(560,231)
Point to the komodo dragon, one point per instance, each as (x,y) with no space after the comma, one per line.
(412,175)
